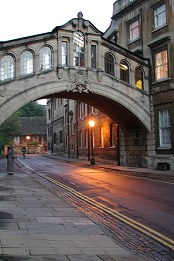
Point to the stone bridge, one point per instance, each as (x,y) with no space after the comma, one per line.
(75,61)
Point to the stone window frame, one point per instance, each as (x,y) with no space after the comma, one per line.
(7,67)
(64,52)
(156,24)
(130,31)
(162,65)
(138,79)
(124,74)
(26,62)
(109,62)
(162,129)
(78,49)
(45,54)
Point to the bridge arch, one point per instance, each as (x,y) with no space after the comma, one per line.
(88,81)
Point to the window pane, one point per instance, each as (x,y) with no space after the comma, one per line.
(93,56)
(161,65)
(45,58)
(160,15)
(6,68)
(164,128)
(78,49)
(139,78)
(109,64)
(134,31)
(26,63)
(124,71)
(64,53)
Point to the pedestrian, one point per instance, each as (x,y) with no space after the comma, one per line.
(10,160)
(23,151)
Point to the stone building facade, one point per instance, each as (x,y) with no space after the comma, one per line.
(70,135)
(147,28)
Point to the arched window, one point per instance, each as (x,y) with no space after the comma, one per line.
(124,71)
(139,78)
(109,64)
(6,68)
(26,63)
(45,58)
(78,49)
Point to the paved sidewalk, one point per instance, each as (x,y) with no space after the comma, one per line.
(36,224)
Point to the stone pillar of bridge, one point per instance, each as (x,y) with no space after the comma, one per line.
(88,54)
(99,59)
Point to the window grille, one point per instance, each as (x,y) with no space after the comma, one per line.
(134,30)
(26,63)
(164,128)
(161,65)
(6,68)
(160,15)
(78,49)
(45,58)
(109,64)
(124,71)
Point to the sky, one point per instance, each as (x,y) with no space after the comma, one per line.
(20,18)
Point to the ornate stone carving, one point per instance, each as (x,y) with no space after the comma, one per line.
(100,75)
(80,83)
(2,92)
(60,72)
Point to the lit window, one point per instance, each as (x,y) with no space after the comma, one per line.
(45,58)
(64,53)
(160,15)
(109,64)
(124,71)
(6,68)
(26,63)
(139,78)
(134,30)
(161,65)
(164,128)
(78,49)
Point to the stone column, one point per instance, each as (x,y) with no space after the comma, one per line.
(88,54)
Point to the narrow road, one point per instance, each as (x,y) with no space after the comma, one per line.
(148,202)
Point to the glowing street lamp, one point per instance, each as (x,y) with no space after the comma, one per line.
(92,124)
(28,138)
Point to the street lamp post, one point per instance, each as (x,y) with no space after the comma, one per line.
(92,159)
(28,138)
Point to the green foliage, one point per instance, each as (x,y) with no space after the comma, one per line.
(32,109)
(9,129)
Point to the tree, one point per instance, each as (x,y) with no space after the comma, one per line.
(32,109)
(9,129)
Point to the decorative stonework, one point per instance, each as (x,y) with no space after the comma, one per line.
(80,83)
(2,92)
